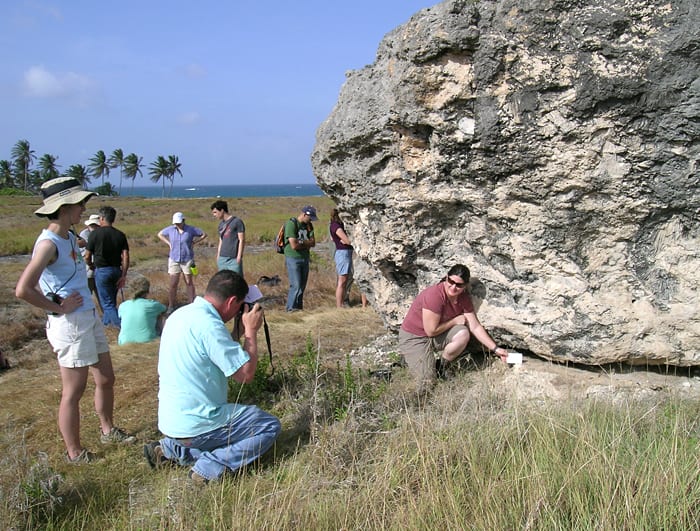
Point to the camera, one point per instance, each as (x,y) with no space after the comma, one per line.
(55,297)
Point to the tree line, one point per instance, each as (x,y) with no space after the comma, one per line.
(20,173)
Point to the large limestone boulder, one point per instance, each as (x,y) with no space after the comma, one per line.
(552,147)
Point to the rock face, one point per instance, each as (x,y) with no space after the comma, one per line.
(551,146)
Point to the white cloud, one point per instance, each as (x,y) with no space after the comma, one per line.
(40,83)
(189,118)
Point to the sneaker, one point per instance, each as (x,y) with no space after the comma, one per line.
(116,435)
(154,455)
(196,479)
(83,457)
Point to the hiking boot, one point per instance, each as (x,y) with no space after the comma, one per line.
(196,479)
(116,435)
(83,457)
(153,452)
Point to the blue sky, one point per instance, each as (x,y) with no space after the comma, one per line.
(235,89)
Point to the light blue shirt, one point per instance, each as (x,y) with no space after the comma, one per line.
(67,274)
(196,357)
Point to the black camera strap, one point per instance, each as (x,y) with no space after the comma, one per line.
(75,269)
(269,347)
(238,330)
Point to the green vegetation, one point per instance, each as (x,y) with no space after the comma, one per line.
(18,173)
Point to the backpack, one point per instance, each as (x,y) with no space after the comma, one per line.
(281,241)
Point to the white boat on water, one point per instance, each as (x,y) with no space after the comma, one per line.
(190,189)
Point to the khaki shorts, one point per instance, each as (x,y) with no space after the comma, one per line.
(77,338)
(175,268)
(419,352)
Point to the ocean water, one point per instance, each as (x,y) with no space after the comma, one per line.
(225,191)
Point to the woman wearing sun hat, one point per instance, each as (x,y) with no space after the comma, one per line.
(55,280)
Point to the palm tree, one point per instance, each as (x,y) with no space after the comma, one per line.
(23,157)
(80,173)
(48,168)
(117,160)
(132,167)
(99,167)
(173,168)
(159,171)
(6,180)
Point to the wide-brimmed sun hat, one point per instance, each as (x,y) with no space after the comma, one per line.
(94,219)
(61,191)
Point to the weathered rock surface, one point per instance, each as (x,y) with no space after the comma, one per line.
(551,146)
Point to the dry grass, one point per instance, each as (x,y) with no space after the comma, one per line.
(22,335)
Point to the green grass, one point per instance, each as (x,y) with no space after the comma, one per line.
(467,458)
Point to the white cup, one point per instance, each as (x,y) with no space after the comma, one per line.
(514,358)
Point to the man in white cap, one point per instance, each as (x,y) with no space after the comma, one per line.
(181,238)
(55,280)
(92,223)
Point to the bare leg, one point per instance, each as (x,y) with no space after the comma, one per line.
(455,347)
(189,285)
(172,290)
(340,290)
(73,382)
(103,374)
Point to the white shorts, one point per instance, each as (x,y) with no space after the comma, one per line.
(175,268)
(78,338)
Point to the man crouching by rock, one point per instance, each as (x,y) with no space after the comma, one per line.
(196,357)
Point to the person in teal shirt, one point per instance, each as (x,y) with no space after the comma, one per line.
(140,316)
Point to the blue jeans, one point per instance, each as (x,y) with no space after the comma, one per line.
(298,273)
(231,447)
(106,279)
(224,262)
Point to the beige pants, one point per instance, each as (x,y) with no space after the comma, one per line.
(419,353)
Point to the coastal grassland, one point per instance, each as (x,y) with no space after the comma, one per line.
(356,452)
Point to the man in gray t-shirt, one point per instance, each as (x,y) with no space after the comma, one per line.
(229,254)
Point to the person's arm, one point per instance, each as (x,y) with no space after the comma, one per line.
(432,325)
(89,259)
(252,321)
(218,248)
(200,238)
(342,236)
(293,240)
(241,246)
(480,333)
(162,237)
(27,288)
(311,242)
(125,267)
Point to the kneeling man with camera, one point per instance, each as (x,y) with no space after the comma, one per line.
(197,356)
